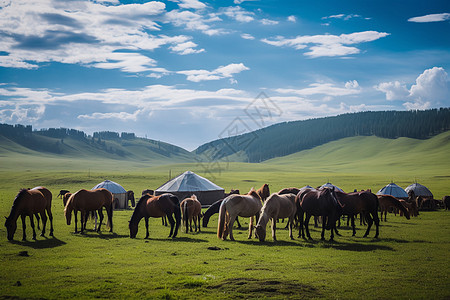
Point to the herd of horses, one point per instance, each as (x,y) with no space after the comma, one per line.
(297,205)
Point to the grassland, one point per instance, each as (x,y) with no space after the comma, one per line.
(409,261)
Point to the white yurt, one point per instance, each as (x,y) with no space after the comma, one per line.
(188,184)
(393,190)
(120,199)
(419,190)
(331,186)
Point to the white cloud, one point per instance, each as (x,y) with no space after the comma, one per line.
(327,45)
(431,18)
(187,4)
(247,36)
(268,22)
(186,48)
(239,14)
(121,116)
(344,17)
(327,89)
(432,89)
(292,19)
(219,73)
(194,21)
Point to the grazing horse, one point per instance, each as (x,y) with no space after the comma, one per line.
(130,197)
(214,209)
(87,201)
(65,198)
(191,209)
(388,201)
(446,200)
(322,202)
(28,203)
(364,203)
(276,206)
(156,207)
(263,192)
(246,206)
(62,193)
(291,190)
(411,207)
(48,195)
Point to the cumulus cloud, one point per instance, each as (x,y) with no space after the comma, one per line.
(247,36)
(292,19)
(431,89)
(327,45)
(268,22)
(221,72)
(188,4)
(239,14)
(431,18)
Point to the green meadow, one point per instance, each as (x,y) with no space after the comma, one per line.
(409,261)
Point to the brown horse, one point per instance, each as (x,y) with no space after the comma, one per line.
(65,198)
(365,203)
(86,201)
(214,209)
(276,206)
(246,206)
(291,190)
(130,197)
(28,203)
(324,203)
(191,209)
(387,202)
(48,195)
(156,207)
(263,192)
(446,200)
(411,207)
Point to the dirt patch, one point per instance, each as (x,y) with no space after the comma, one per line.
(258,288)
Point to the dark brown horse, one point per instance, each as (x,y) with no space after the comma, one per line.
(130,197)
(291,190)
(87,201)
(156,207)
(446,200)
(387,202)
(365,203)
(28,203)
(263,192)
(214,209)
(65,198)
(322,202)
(191,210)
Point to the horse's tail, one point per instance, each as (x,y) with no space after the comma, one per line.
(186,215)
(221,223)
(177,211)
(109,208)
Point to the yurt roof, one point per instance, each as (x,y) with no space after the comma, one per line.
(393,190)
(329,185)
(419,190)
(111,186)
(188,182)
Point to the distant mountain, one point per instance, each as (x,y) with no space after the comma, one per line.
(290,137)
(74,143)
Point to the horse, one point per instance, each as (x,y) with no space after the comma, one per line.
(27,203)
(151,193)
(446,200)
(276,206)
(214,208)
(86,201)
(156,207)
(364,203)
(62,193)
(388,201)
(65,198)
(48,195)
(263,192)
(191,209)
(246,206)
(291,190)
(411,207)
(322,202)
(130,197)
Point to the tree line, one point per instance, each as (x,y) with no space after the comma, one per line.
(289,137)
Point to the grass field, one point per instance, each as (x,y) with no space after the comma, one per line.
(409,261)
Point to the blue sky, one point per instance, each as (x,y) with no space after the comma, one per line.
(188,72)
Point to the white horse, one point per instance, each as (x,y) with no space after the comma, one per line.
(276,206)
(235,205)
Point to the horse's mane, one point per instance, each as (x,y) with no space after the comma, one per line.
(253,193)
(142,201)
(18,199)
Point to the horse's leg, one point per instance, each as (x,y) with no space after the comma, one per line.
(146,228)
(291,224)
(24,236)
(324,221)
(274,228)
(250,228)
(353,225)
(50,217)
(44,222)
(100,213)
(172,225)
(83,220)
(38,219)
(75,216)
(230,227)
(32,226)
(332,232)
(238,224)
(377,224)
(308,216)
(369,224)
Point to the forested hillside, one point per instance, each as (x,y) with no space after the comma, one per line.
(290,137)
(63,141)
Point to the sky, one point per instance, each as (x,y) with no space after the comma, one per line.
(188,72)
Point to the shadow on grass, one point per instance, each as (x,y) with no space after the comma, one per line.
(358,247)
(100,235)
(41,244)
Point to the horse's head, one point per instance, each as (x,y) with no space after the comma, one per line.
(68,215)
(260,233)
(10,228)
(133,226)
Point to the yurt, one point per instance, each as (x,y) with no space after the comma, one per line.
(331,186)
(393,190)
(188,184)
(119,193)
(419,190)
